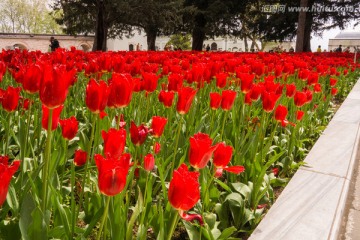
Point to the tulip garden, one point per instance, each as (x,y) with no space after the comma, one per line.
(156,145)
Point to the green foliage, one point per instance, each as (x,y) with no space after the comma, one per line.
(180,41)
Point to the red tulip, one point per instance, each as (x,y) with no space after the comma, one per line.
(255,92)
(290,90)
(157,148)
(175,82)
(96,96)
(158,125)
(222,155)
(299,115)
(55,117)
(280,113)
(186,97)
(333,82)
(150,81)
(184,190)
(80,157)
(120,90)
(317,87)
(114,142)
(334,91)
(215,100)
(221,79)
(54,85)
(6,173)
(138,134)
(166,98)
(149,162)
(300,98)
(228,99)
(69,127)
(269,100)
(246,81)
(112,173)
(313,78)
(201,150)
(10,99)
(31,78)
(2,70)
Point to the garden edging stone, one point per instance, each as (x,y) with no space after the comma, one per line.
(313,203)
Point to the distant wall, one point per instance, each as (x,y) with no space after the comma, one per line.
(334,43)
(34,42)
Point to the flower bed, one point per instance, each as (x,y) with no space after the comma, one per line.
(119,144)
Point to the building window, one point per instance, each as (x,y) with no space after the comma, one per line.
(213,46)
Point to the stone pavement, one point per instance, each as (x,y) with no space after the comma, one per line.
(321,202)
(350,229)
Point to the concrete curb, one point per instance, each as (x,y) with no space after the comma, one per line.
(313,203)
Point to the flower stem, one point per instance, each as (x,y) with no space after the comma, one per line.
(176,146)
(47,158)
(174,222)
(89,149)
(72,181)
(7,133)
(103,220)
(223,125)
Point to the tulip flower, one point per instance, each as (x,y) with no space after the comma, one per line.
(333,82)
(6,173)
(317,87)
(215,100)
(55,117)
(221,79)
(80,157)
(246,81)
(280,113)
(175,82)
(290,90)
(186,97)
(228,99)
(150,81)
(158,125)
(201,150)
(334,91)
(184,190)
(222,157)
(255,92)
(69,127)
(31,78)
(10,99)
(120,90)
(112,173)
(166,98)
(269,100)
(96,96)
(54,85)
(299,115)
(300,98)
(149,162)
(114,142)
(156,148)
(138,134)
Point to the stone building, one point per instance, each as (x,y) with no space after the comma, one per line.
(33,42)
(346,39)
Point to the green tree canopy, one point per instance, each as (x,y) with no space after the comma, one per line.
(25,16)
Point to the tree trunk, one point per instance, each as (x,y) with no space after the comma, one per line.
(246,44)
(307,32)
(151,33)
(101,28)
(198,34)
(300,34)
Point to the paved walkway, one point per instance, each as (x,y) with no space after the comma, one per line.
(351,221)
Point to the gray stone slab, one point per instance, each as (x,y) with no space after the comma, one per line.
(334,153)
(349,111)
(305,209)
